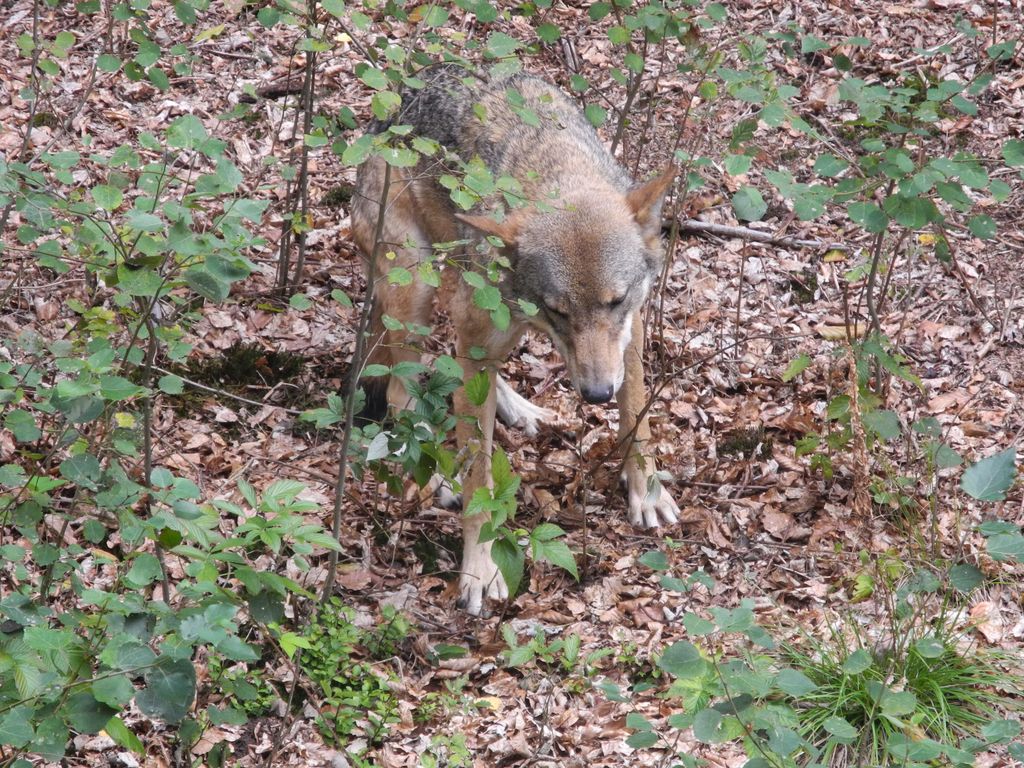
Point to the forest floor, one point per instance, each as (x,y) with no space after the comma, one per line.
(757,518)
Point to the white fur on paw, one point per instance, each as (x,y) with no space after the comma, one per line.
(480,580)
(650,504)
(442,491)
(516,411)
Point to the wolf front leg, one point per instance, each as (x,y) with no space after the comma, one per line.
(649,505)
(480,577)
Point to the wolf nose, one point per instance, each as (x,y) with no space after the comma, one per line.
(601,393)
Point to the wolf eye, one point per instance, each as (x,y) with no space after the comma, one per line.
(616,301)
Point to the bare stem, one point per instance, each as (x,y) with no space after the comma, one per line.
(358,358)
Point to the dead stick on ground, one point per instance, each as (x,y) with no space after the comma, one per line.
(745,233)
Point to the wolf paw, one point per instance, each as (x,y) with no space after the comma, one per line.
(441,489)
(650,503)
(516,411)
(480,580)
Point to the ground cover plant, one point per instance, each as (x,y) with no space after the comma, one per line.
(207,559)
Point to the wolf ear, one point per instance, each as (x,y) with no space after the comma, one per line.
(507,230)
(645,200)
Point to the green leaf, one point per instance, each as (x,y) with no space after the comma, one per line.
(683,660)
(736,165)
(384,104)
(830,166)
(596,114)
(159,78)
(748,204)
(487,297)
(186,132)
(16,727)
(912,212)
(965,577)
(930,647)
(51,738)
(655,559)
(171,384)
(868,215)
(697,626)
(144,571)
(857,662)
(206,284)
(116,388)
(118,731)
(236,649)
(548,32)
(373,77)
(300,301)
(990,479)
(946,458)
(884,424)
(794,682)
(500,45)
(840,729)
(637,722)
(138,282)
(435,16)
(478,388)
(376,369)
(708,727)
(796,366)
(612,692)
(528,308)
(1000,190)
(23,426)
(144,221)
(116,690)
(810,44)
(511,561)
(1005,547)
(557,553)
(642,739)
(899,702)
(268,16)
(106,197)
(107,62)
(1001,731)
(358,151)
(995,527)
(983,227)
(83,469)
(618,35)
(954,194)
(170,688)
(1013,152)
(85,714)
(964,105)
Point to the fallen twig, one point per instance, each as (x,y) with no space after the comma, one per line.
(745,233)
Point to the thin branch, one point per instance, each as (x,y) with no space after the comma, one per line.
(354,371)
(745,233)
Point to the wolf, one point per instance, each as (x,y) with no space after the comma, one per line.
(582,244)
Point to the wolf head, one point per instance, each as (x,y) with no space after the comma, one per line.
(588,266)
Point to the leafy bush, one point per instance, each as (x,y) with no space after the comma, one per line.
(864,703)
(338,658)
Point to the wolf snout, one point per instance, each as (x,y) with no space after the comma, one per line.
(597,393)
